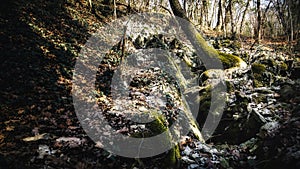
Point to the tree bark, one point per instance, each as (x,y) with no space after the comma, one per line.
(263,20)
(212,14)
(243,17)
(257,30)
(218,26)
(231,20)
(227,17)
(291,24)
(184,5)
(209,55)
(195,38)
(205,12)
(115,10)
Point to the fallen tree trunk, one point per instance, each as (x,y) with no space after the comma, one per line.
(208,55)
(214,62)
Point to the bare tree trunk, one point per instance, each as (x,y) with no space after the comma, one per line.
(191,11)
(291,24)
(205,12)
(243,17)
(212,14)
(257,30)
(218,26)
(184,6)
(209,56)
(227,18)
(201,47)
(264,19)
(198,12)
(115,10)
(231,20)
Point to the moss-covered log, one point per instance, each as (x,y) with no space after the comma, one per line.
(210,57)
(213,60)
(208,54)
(158,126)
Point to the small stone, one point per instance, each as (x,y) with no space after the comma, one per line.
(195,155)
(187,150)
(268,129)
(193,166)
(187,159)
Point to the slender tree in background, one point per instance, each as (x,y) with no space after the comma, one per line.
(230,16)
(233,34)
(205,6)
(115,9)
(185,5)
(212,13)
(227,19)
(264,18)
(219,16)
(257,30)
(243,17)
(291,23)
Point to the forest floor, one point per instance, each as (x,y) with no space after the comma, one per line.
(40,42)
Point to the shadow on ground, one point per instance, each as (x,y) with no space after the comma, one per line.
(39,41)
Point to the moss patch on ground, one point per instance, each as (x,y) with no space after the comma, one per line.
(258,68)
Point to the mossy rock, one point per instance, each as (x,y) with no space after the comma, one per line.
(264,79)
(270,64)
(258,68)
(227,43)
(287,92)
(261,77)
(172,158)
(283,68)
(258,80)
(230,60)
(155,127)
(168,160)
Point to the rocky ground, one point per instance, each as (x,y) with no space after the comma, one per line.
(40,42)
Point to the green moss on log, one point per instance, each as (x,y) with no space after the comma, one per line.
(229,60)
(171,160)
(156,127)
(204,102)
